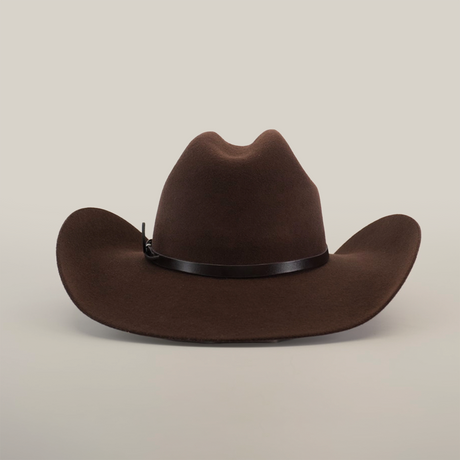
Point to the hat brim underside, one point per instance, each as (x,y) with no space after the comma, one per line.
(104,271)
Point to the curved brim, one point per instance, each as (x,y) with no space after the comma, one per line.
(103,269)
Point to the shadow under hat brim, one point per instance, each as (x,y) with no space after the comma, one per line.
(104,271)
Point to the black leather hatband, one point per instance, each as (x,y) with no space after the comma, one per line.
(231,271)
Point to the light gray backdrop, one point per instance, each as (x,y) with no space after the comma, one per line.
(98,101)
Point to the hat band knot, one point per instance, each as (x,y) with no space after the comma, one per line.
(231,271)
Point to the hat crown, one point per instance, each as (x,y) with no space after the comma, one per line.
(228,204)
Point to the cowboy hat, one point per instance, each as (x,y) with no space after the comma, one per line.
(238,254)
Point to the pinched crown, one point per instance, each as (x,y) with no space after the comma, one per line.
(228,204)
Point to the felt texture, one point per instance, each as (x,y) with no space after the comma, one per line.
(227,204)
(103,269)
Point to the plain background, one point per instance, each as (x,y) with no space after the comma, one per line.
(98,101)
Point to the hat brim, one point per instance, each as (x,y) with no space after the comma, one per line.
(103,269)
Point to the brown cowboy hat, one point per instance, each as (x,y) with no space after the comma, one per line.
(238,254)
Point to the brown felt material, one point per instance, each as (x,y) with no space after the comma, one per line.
(226,204)
(233,205)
